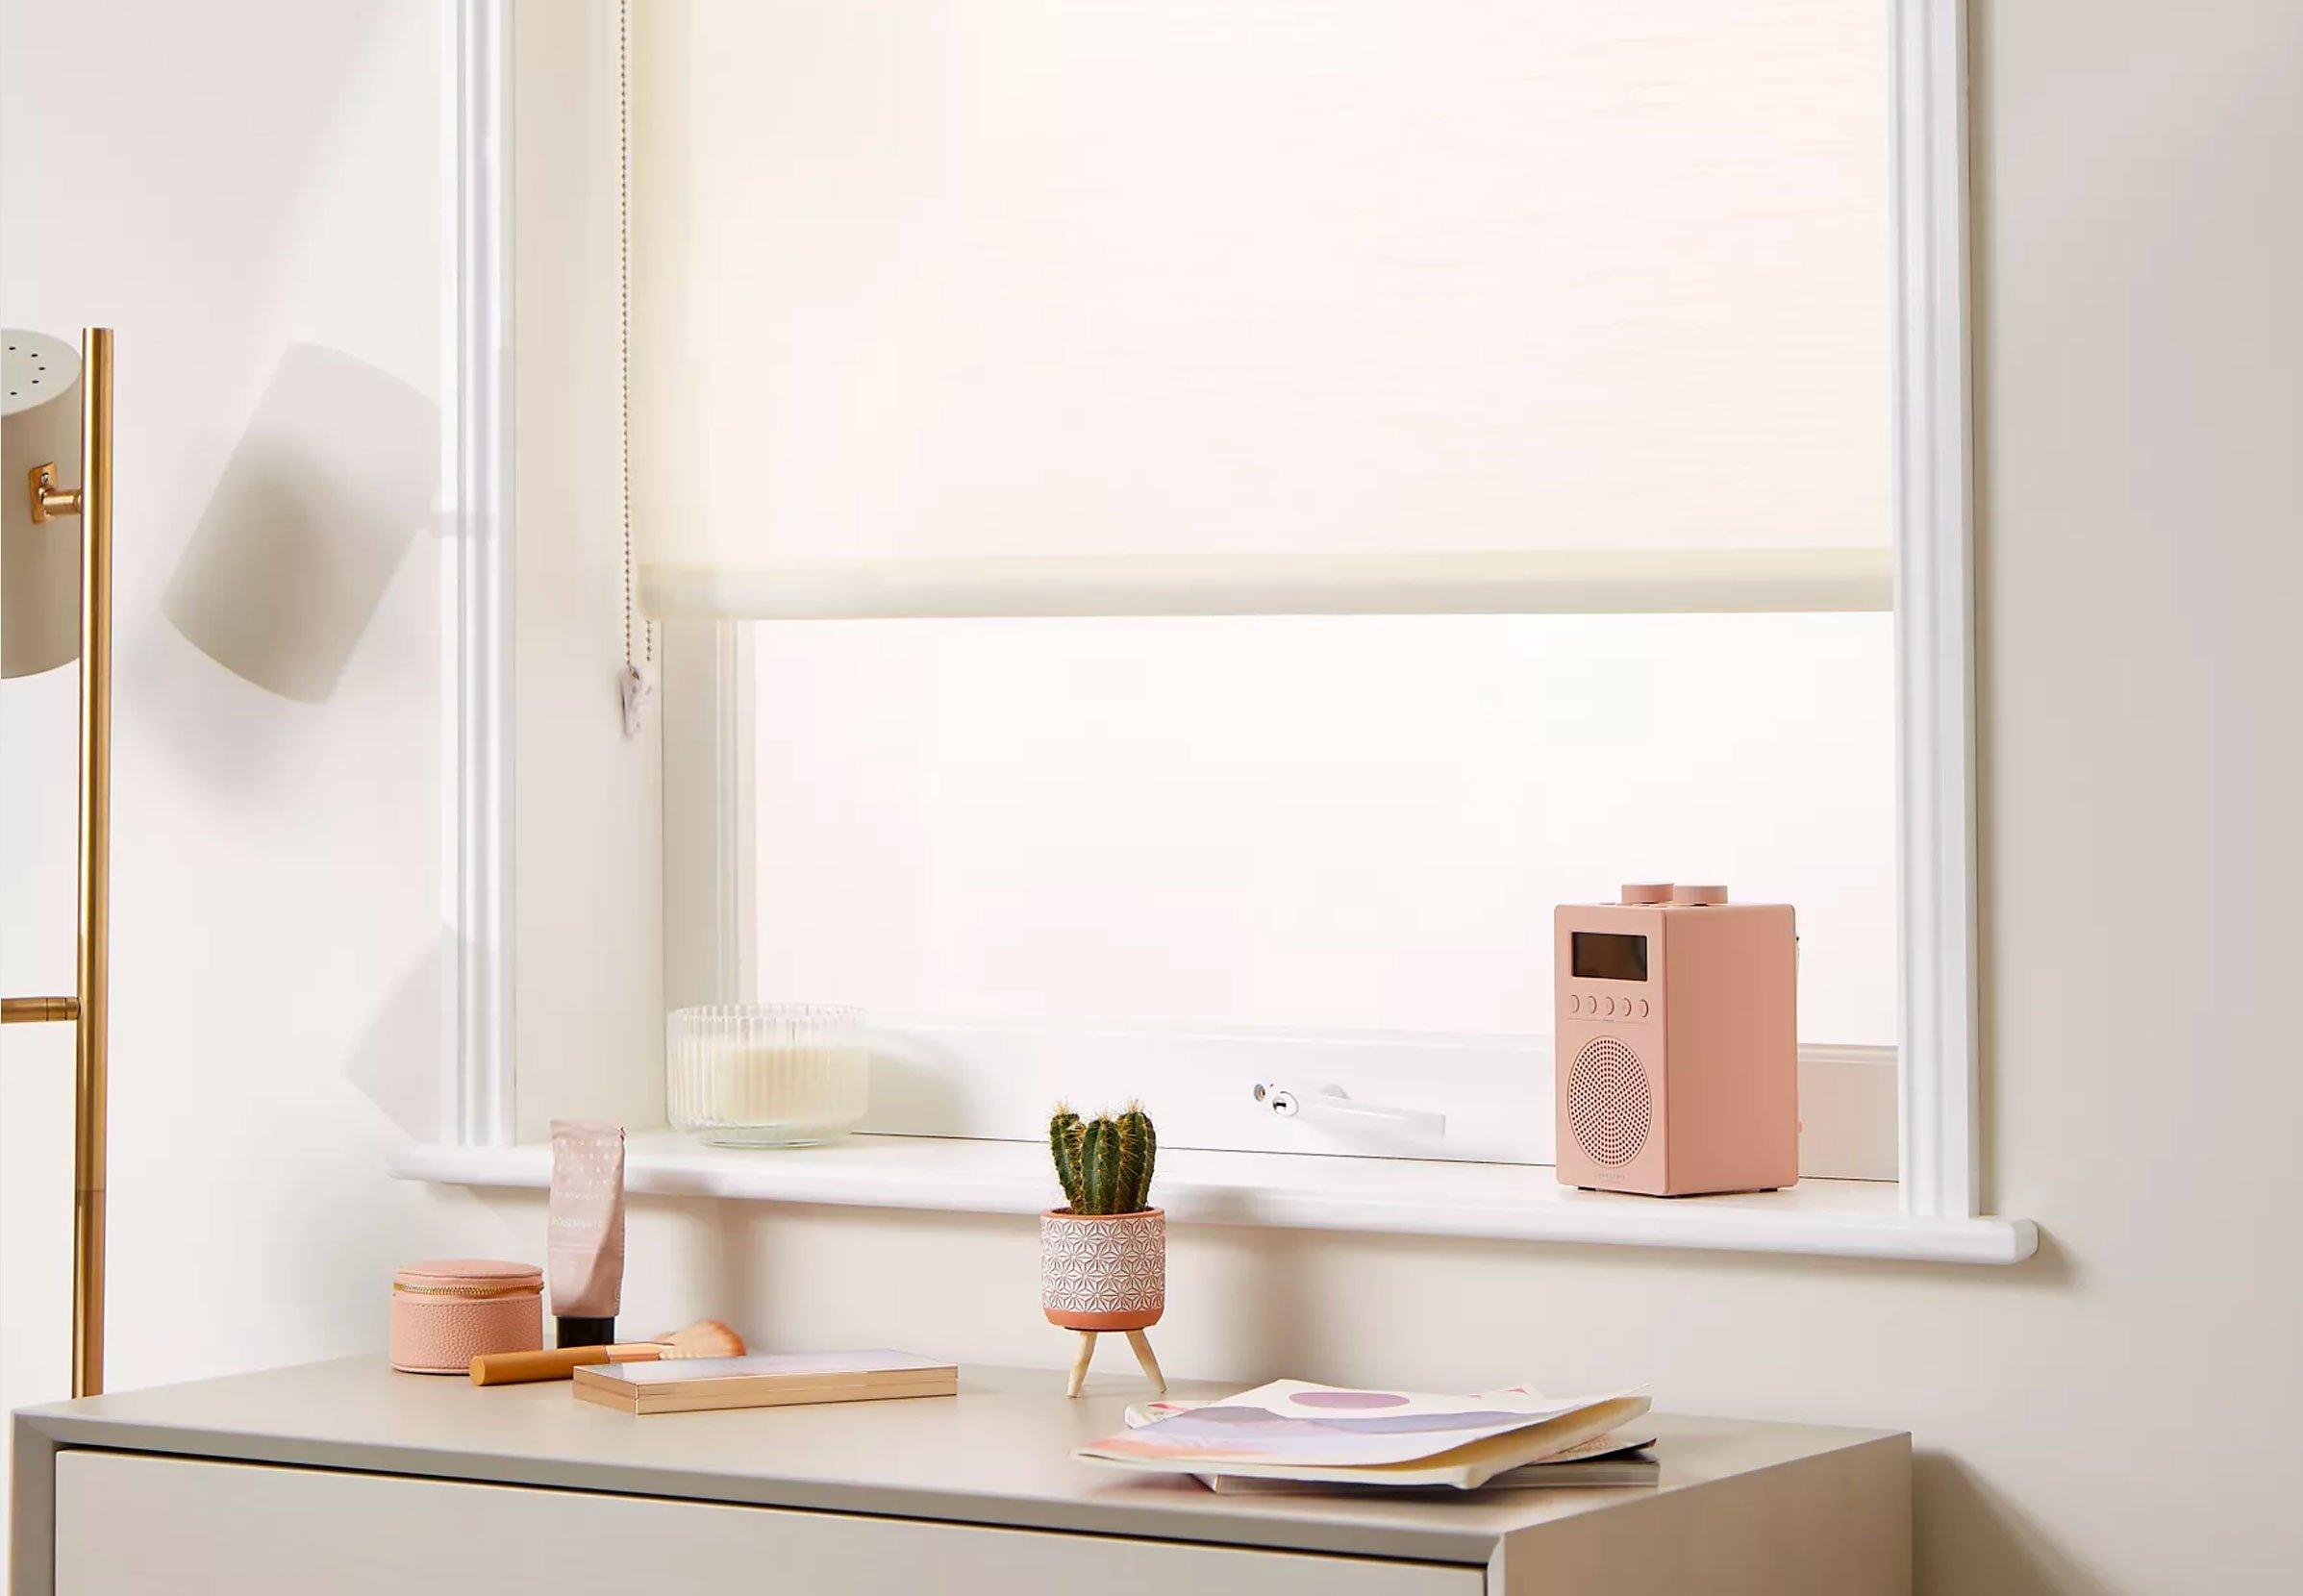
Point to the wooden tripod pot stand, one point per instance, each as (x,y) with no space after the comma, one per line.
(1105,1271)
(1136,1339)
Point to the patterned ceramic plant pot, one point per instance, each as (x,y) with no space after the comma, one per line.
(1103,1271)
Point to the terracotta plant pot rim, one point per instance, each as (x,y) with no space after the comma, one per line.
(1098,1218)
(1140,1318)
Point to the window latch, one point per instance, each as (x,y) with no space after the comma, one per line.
(1331,1106)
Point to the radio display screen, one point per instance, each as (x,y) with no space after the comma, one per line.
(1607,956)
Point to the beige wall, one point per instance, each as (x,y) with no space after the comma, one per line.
(2119,1414)
(219,183)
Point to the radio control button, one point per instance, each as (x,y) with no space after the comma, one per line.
(1610,1004)
(1647,892)
(1575,1004)
(1642,1009)
(1685,895)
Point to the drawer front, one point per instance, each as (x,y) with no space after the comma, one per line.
(131,1523)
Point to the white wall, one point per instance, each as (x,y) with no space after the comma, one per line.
(2119,1413)
(219,182)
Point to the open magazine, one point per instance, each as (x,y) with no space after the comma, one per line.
(1617,1458)
(1293,1429)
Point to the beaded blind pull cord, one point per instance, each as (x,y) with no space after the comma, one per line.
(637,684)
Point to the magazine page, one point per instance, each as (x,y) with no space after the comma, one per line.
(1293,1423)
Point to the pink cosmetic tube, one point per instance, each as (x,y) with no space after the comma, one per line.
(585,1243)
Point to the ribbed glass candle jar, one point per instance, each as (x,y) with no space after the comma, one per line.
(776,1075)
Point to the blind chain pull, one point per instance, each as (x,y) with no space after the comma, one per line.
(636,686)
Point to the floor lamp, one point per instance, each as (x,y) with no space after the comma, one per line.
(55,604)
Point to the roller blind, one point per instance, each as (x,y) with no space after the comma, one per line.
(1212,305)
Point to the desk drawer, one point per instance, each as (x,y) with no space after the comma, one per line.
(131,1523)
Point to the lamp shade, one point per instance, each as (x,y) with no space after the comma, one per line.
(40,564)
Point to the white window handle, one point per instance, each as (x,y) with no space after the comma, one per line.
(1331,1105)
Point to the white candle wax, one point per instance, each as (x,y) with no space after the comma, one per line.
(762,1076)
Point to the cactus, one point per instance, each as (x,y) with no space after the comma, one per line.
(1139,1146)
(1099,1171)
(1104,1164)
(1065,1137)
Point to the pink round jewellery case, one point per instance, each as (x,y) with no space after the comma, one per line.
(447,1312)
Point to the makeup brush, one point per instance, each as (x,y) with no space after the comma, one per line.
(705,1338)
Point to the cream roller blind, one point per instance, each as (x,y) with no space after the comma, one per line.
(993,307)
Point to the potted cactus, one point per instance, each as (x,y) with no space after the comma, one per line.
(1103,1256)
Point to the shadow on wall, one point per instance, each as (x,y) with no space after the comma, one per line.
(397,1062)
(1966,1537)
(316,508)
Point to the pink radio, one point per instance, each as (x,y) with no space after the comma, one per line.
(1677,1061)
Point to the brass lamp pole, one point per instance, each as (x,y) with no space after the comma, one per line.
(88,1007)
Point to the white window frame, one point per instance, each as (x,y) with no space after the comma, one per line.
(707,954)
(476,579)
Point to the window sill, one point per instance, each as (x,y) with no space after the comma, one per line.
(1297,1191)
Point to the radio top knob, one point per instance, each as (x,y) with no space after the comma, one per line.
(1647,892)
(1683,894)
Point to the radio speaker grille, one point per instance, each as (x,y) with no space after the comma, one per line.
(1608,1106)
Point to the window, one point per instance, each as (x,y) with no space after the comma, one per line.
(1186,857)
(1101,433)
(1250,703)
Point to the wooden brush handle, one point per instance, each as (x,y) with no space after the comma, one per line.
(517,1368)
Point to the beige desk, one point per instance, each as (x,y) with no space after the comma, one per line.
(346,1478)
